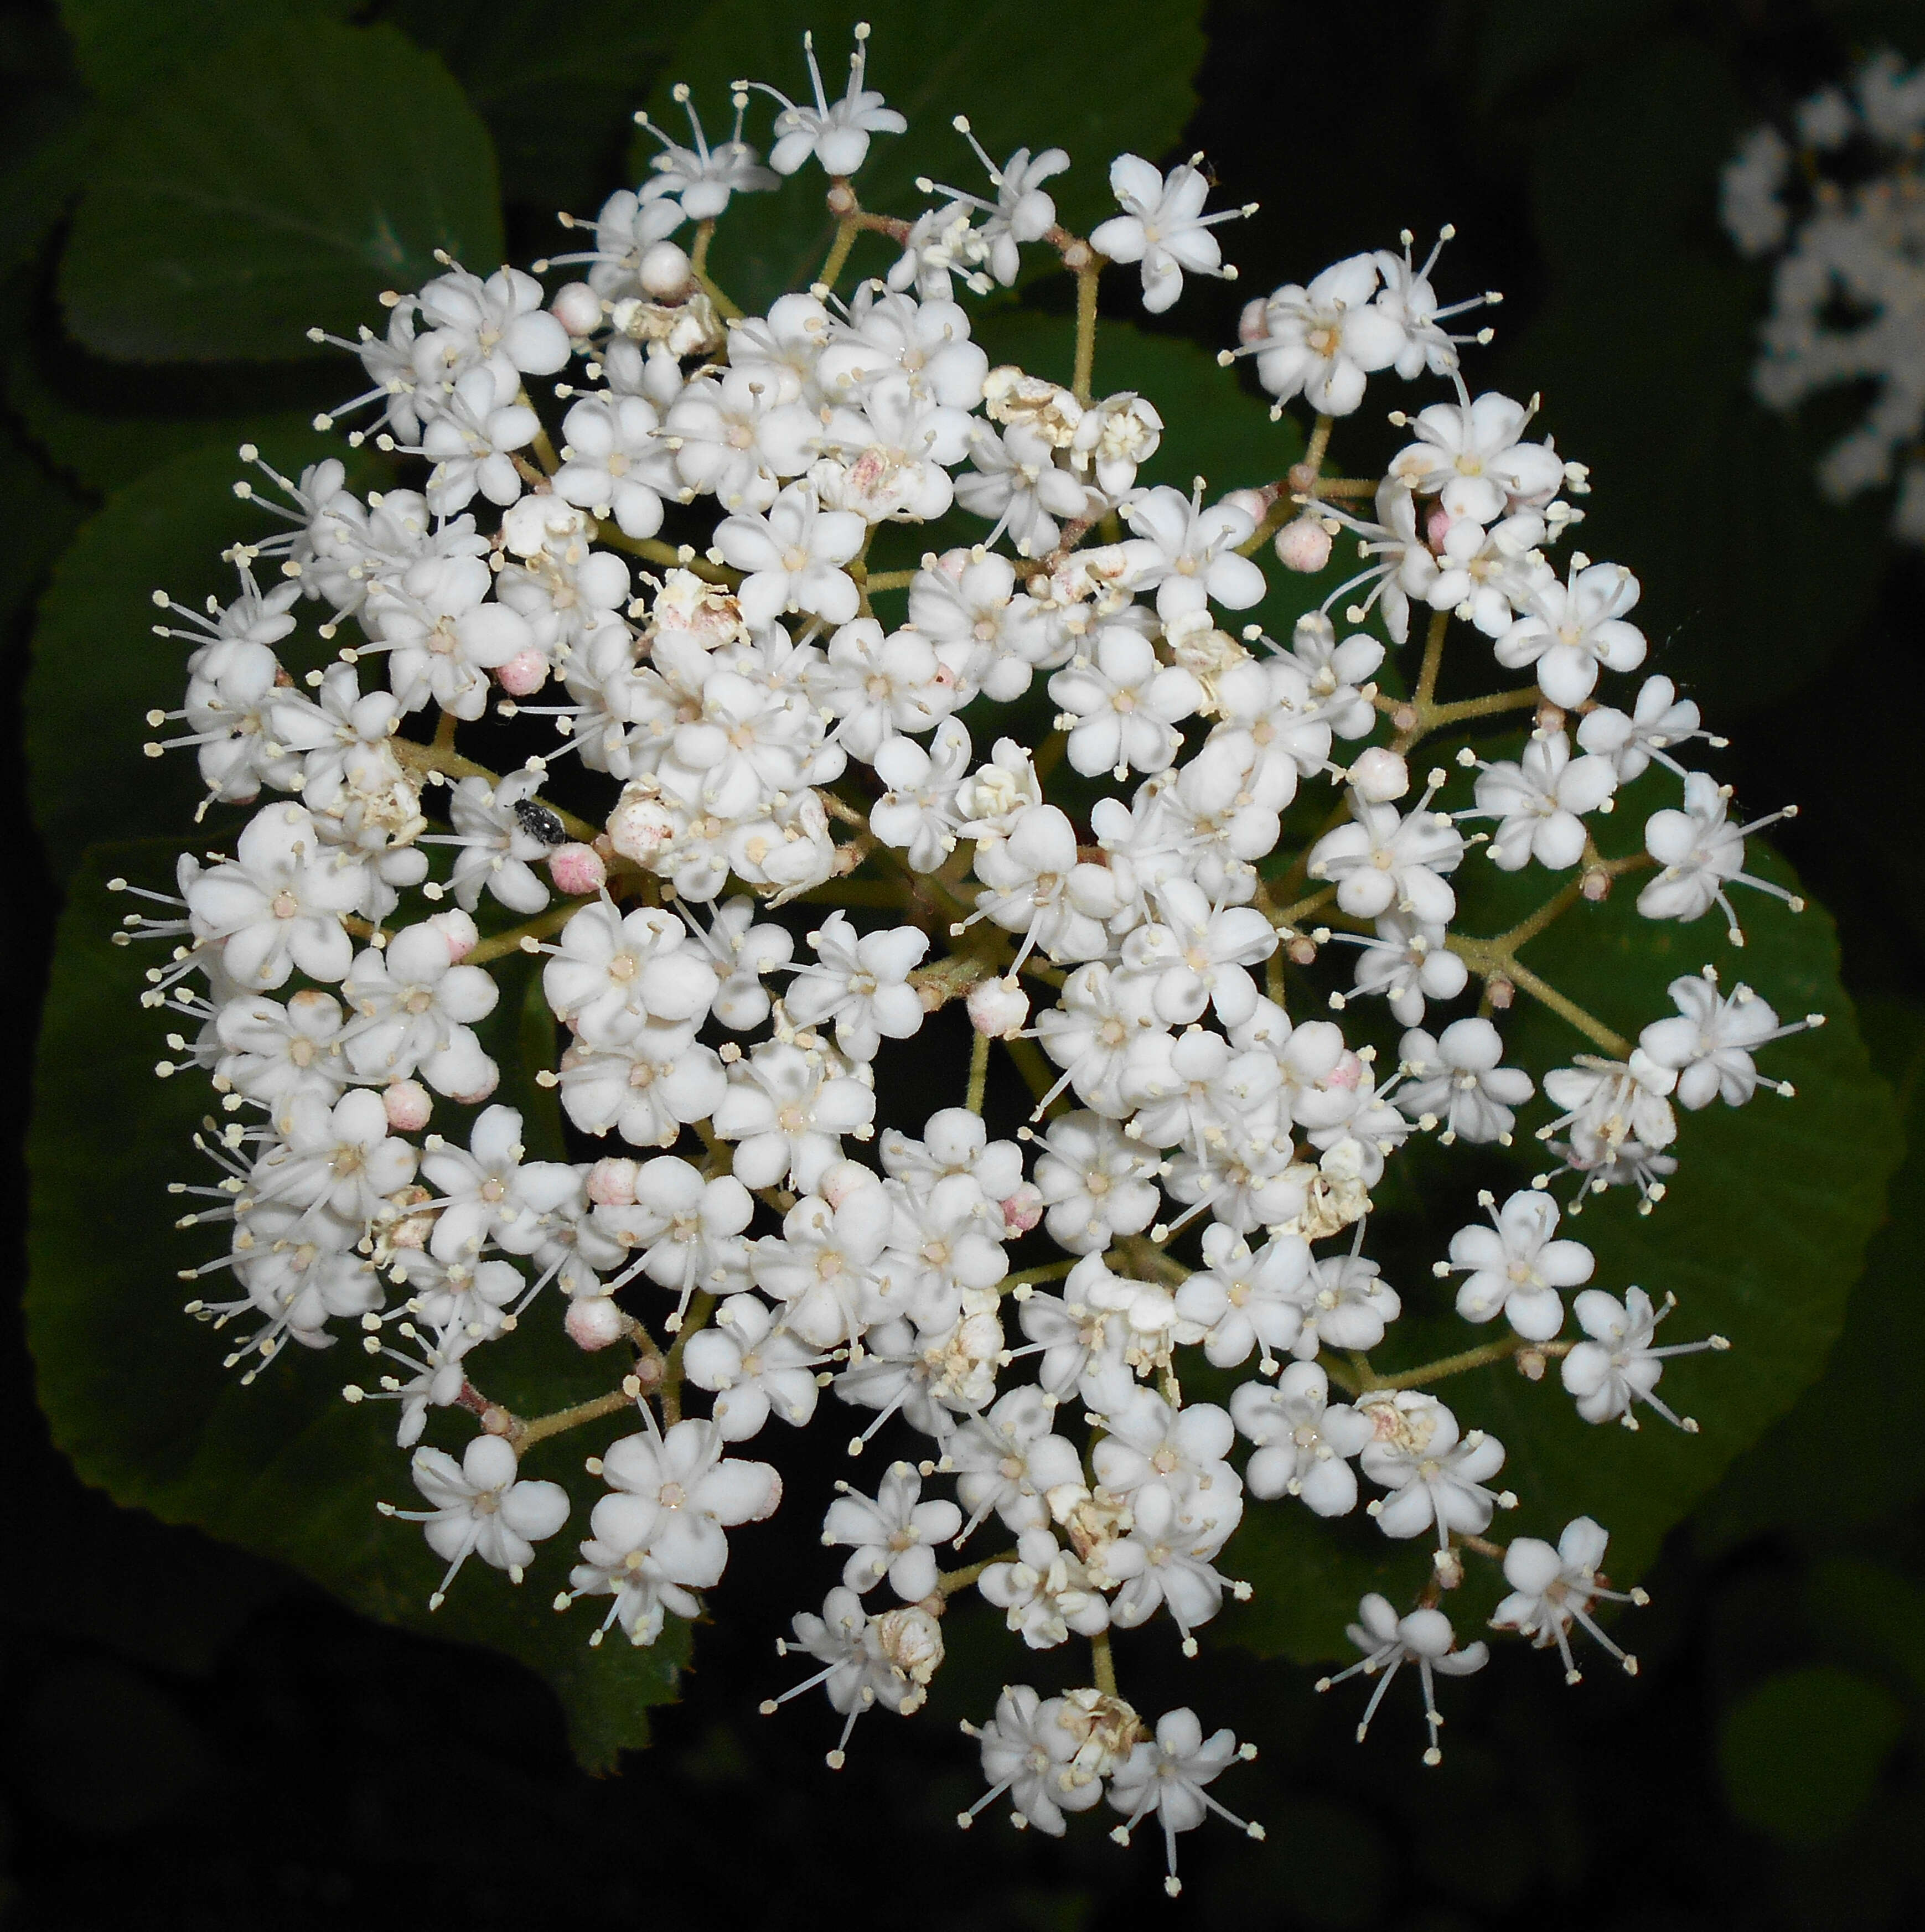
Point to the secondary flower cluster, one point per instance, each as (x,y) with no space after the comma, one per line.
(1842,206)
(781,723)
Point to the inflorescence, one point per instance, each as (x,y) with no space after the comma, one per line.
(816,834)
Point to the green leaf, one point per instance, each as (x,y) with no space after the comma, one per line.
(1791,1479)
(1801,1754)
(1760,1236)
(137,1399)
(98,669)
(282,182)
(1131,91)
(556,82)
(1642,353)
(123,47)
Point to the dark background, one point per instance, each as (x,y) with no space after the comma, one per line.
(188,1737)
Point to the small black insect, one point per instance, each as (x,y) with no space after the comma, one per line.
(539,822)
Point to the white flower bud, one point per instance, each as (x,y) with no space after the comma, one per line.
(664,270)
(577,307)
(460,932)
(998,1007)
(593,1322)
(1379,775)
(408,1105)
(1303,544)
(612,1182)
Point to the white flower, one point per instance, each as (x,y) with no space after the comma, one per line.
(1388,1642)
(1516,1267)
(1455,1082)
(879,686)
(702,179)
(1095,1183)
(277,904)
(1121,706)
(918,814)
(271,1053)
(793,556)
(1015,480)
(1023,210)
(1435,1479)
(1036,886)
(1552,1589)
(611,975)
(498,829)
(1702,853)
(861,1665)
(415,1010)
(1304,1440)
(1540,802)
(1711,1041)
(1618,1367)
(1166,1774)
(615,463)
(1045,1593)
(1187,555)
(1468,454)
(479,1508)
(1244,1301)
(1409,962)
(1322,341)
(1569,629)
(753,1369)
(1029,1751)
(343,1160)
(738,434)
(836,133)
(861,982)
(893,1535)
(1659,720)
(1163,226)
(788,1107)
(490,1192)
(1383,861)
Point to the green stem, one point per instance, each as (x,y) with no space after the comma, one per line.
(1085,331)
(538,1428)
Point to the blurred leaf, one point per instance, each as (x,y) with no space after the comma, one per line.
(1518,41)
(137,1399)
(1801,1754)
(98,668)
(52,148)
(556,81)
(1130,90)
(42,515)
(1795,1476)
(283,181)
(1643,354)
(1760,1236)
(1864,1605)
(123,47)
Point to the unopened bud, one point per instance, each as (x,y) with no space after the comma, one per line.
(842,1180)
(578,308)
(1378,775)
(1500,993)
(460,931)
(1022,1210)
(1250,502)
(1596,884)
(612,1182)
(408,1105)
(998,1007)
(1530,1364)
(663,271)
(577,869)
(593,1322)
(524,673)
(1303,544)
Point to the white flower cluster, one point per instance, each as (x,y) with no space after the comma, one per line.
(1842,205)
(767,732)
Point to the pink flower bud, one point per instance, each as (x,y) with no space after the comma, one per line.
(1022,1210)
(664,270)
(998,1007)
(840,1181)
(1251,502)
(1378,775)
(593,1322)
(1437,526)
(460,931)
(408,1105)
(612,1182)
(578,308)
(577,869)
(1303,544)
(1345,1075)
(1254,324)
(524,674)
